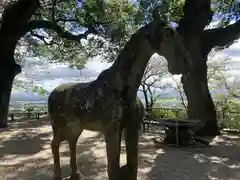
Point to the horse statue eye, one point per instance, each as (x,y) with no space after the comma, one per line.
(114,91)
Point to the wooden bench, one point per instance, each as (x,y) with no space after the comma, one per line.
(147,123)
(179,132)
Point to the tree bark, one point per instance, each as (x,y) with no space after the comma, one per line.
(15,19)
(7,74)
(148,97)
(200,104)
(197,14)
(145,97)
(199,41)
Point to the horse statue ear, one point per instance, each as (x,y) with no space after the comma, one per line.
(159,12)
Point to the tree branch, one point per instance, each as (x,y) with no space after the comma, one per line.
(53,13)
(42,38)
(66,20)
(151,84)
(53,25)
(197,14)
(37,24)
(180,91)
(221,37)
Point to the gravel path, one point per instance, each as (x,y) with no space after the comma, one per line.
(25,155)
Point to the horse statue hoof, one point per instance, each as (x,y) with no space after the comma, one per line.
(57,178)
(76,176)
(124,172)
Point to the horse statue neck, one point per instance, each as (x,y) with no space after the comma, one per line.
(127,71)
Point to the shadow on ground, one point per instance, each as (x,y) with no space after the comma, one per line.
(25,154)
(220,161)
(29,135)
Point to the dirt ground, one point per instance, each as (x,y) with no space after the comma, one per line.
(25,155)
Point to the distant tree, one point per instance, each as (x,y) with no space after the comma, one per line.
(227,99)
(220,79)
(178,87)
(14,20)
(156,69)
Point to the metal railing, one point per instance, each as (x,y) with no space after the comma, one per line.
(226,119)
(20,110)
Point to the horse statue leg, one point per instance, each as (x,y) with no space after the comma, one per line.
(72,141)
(131,134)
(113,145)
(129,171)
(56,158)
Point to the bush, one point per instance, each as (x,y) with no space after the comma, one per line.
(228,114)
(231,121)
(164,113)
(227,118)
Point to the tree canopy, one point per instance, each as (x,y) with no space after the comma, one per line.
(73,31)
(61,26)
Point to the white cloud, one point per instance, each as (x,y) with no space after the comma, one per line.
(50,75)
(234,50)
(234,53)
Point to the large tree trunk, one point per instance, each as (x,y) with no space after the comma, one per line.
(7,76)
(200,41)
(197,14)
(200,104)
(14,23)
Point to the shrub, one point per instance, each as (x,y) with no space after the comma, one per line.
(163,113)
(228,114)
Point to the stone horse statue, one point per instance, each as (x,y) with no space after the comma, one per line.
(108,104)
